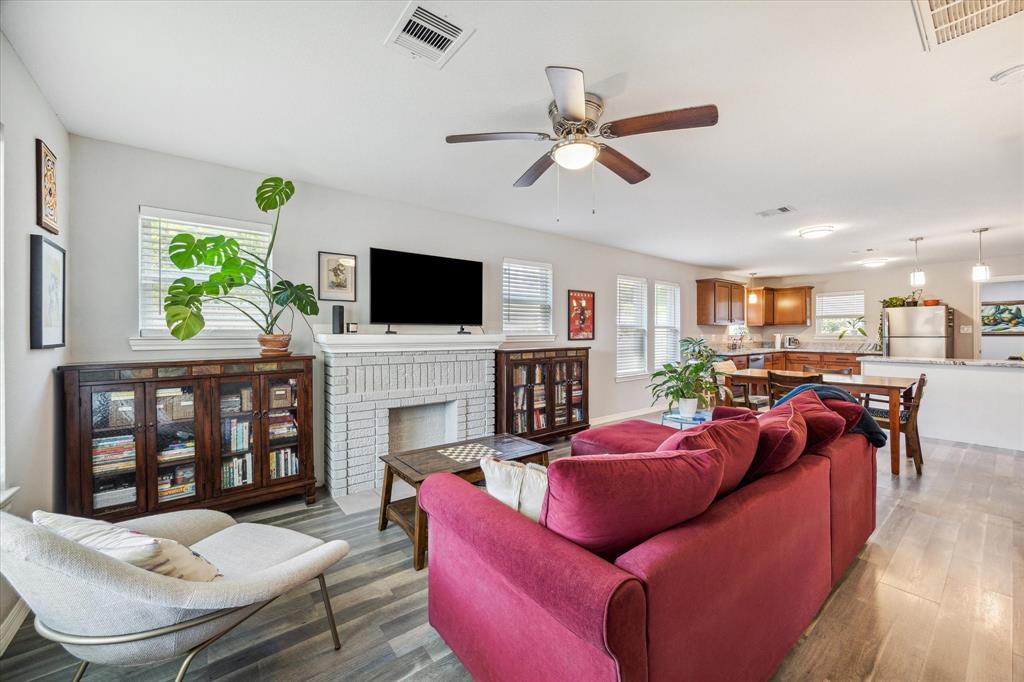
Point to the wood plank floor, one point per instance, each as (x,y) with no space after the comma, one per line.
(937,594)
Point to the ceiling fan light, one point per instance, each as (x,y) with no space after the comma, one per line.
(575,154)
(817,232)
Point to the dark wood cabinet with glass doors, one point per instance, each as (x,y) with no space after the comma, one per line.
(541,393)
(143,438)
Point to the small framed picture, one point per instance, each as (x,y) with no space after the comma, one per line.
(581,315)
(46,188)
(46,294)
(337,277)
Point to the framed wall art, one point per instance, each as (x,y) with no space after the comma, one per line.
(581,315)
(47,288)
(46,188)
(1002,318)
(337,277)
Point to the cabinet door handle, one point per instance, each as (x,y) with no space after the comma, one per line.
(266,414)
(255,415)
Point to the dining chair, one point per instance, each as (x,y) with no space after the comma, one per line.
(845,371)
(781,384)
(910,407)
(742,395)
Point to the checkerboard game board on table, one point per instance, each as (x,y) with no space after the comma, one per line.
(468,452)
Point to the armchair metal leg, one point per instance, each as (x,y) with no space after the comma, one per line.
(80,671)
(330,612)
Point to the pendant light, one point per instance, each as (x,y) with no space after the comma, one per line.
(752,296)
(980,272)
(917,275)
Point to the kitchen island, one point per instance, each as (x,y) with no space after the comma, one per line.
(968,401)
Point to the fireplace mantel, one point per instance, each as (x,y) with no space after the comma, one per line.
(397,343)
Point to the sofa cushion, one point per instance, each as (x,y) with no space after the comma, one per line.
(735,437)
(850,412)
(634,435)
(823,424)
(610,503)
(781,441)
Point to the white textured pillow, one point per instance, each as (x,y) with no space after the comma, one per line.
(159,555)
(521,487)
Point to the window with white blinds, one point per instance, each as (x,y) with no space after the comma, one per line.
(838,311)
(157,227)
(666,323)
(630,326)
(526,298)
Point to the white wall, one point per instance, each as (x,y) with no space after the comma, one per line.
(31,394)
(110,181)
(950,282)
(1002,347)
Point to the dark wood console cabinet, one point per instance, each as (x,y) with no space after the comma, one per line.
(542,393)
(147,437)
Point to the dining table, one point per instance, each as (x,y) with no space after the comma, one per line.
(895,389)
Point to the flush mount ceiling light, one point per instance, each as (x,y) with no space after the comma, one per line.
(575,152)
(1014,74)
(917,275)
(874,262)
(817,232)
(980,272)
(752,296)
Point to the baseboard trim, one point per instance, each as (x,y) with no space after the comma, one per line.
(619,416)
(9,626)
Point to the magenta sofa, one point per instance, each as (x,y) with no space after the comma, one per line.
(723,596)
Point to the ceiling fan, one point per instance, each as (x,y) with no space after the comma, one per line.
(574,115)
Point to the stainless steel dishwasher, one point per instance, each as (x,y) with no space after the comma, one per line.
(755,361)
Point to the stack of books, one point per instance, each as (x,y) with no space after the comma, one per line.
(178,483)
(113,454)
(236,471)
(281,426)
(176,452)
(112,497)
(230,402)
(235,434)
(284,462)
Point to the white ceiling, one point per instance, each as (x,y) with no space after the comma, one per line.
(831,107)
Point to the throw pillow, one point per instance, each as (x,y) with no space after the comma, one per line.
(610,503)
(516,485)
(159,555)
(850,412)
(823,425)
(781,441)
(735,437)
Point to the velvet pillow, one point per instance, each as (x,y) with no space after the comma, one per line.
(610,503)
(781,441)
(823,425)
(735,437)
(850,412)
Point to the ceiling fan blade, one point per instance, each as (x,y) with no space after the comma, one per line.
(535,171)
(693,117)
(487,137)
(621,165)
(569,90)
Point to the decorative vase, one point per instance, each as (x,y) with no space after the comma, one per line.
(274,345)
(687,407)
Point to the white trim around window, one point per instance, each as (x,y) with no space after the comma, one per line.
(836,306)
(667,315)
(526,300)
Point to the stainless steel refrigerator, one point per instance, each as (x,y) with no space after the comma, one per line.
(921,332)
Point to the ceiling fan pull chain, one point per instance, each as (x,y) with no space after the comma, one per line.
(558,195)
(593,192)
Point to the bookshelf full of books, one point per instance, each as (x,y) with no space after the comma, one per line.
(146,437)
(541,393)
(112,446)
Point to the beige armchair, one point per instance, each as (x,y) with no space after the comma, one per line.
(109,612)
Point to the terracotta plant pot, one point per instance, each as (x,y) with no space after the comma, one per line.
(274,345)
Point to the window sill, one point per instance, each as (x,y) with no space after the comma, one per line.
(155,343)
(7,495)
(544,338)
(632,377)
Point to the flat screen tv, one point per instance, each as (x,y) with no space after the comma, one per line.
(412,288)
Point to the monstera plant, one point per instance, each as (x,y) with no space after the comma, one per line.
(237,268)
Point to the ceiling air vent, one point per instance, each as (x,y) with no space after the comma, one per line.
(775,211)
(939,21)
(426,36)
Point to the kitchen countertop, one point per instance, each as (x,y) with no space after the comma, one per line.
(955,362)
(759,351)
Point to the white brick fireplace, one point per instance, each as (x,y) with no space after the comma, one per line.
(398,392)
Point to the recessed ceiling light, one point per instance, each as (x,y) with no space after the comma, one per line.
(1014,74)
(817,232)
(874,262)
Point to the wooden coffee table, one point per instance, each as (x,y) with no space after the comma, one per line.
(461,459)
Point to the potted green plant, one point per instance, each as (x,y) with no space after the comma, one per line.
(236,268)
(853,325)
(690,382)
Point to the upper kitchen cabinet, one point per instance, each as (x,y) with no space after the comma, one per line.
(793,306)
(760,306)
(720,301)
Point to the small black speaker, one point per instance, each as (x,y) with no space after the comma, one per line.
(338,326)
